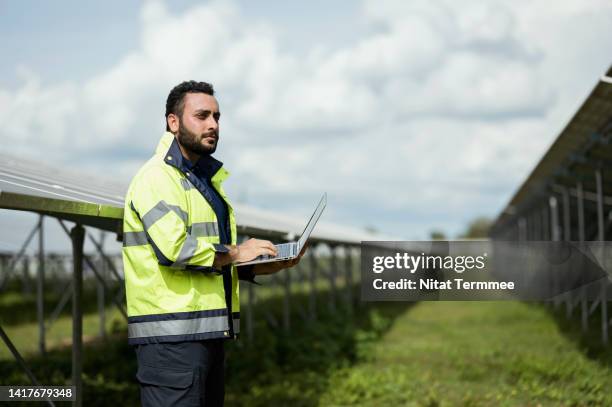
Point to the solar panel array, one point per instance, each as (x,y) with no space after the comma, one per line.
(580,138)
(29,185)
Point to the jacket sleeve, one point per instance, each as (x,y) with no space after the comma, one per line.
(156,198)
(247,273)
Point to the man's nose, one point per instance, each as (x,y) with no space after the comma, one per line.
(212,123)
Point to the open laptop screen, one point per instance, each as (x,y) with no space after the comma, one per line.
(312,222)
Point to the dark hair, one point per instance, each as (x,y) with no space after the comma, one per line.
(176,103)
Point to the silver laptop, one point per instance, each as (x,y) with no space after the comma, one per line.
(288,251)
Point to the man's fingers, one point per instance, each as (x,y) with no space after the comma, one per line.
(268,251)
(270,246)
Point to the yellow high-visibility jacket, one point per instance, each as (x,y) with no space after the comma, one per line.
(170,237)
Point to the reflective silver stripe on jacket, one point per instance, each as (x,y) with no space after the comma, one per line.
(135,238)
(177,327)
(236,325)
(159,211)
(190,245)
(204,229)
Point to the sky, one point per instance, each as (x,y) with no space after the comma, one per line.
(412,115)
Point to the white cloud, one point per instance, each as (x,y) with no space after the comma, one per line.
(433,114)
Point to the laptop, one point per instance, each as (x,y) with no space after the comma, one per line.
(291,250)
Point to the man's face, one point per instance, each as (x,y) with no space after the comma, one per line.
(199,125)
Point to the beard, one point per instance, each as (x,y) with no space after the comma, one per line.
(193,142)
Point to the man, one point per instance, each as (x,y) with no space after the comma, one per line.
(179,253)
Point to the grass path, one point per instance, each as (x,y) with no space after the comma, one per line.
(474,354)
(432,354)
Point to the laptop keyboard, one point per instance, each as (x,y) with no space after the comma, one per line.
(285,249)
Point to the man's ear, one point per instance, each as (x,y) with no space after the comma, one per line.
(173,122)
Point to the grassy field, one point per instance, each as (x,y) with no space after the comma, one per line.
(475,354)
(444,354)
(425,354)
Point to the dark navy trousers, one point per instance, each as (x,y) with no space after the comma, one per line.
(184,374)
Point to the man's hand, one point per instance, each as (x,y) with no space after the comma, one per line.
(253,248)
(246,251)
(276,266)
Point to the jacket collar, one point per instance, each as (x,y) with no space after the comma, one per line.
(169,148)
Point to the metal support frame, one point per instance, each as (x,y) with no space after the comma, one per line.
(567,236)
(93,268)
(545,224)
(580,199)
(40,286)
(555,237)
(20,361)
(313,284)
(286,301)
(249,312)
(25,268)
(78,237)
(522,229)
(348,277)
(101,289)
(332,278)
(15,259)
(555,232)
(601,237)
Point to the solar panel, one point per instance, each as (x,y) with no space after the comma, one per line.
(33,178)
(589,119)
(29,185)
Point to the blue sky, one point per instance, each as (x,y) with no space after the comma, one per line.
(413,115)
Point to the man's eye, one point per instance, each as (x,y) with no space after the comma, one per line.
(217,116)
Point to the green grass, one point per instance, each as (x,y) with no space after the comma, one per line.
(25,337)
(425,354)
(474,354)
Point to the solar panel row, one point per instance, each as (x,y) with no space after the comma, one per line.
(31,186)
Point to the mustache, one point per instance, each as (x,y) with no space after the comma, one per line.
(211,133)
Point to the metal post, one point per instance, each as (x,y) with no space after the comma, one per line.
(522,227)
(27,287)
(584,306)
(601,237)
(348,277)
(554,219)
(332,279)
(77,235)
(286,301)
(580,198)
(40,286)
(100,288)
(545,224)
(600,208)
(313,284)
(249,311)
(567,236)
(567,224)
(604,311)
(538,228)
(554,236)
